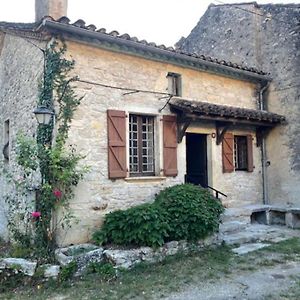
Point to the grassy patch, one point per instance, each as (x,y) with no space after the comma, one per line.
(290,246)
(173,274)
(5,248)
(143,282)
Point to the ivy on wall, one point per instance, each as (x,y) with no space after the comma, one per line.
(58,163)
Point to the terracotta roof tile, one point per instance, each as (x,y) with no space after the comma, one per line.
(211,109)
(81,24)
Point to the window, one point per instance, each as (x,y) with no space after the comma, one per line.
(6,141)
(141,145)
(240,153)
(174,84)
(237,153)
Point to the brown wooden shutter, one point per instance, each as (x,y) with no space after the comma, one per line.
(249,153)
(116,130)
(227,153)
(170,145)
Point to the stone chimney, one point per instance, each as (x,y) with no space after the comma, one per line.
(53,8)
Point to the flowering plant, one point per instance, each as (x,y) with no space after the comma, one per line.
(57,193)
(36,214)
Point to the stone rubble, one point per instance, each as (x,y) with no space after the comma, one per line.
(233,231)
(52,271)
(87,253)
(19,265)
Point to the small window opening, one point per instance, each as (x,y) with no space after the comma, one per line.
(241,153)
(141,145)
(6,141)
(174,84)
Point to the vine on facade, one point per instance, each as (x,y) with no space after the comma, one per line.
(58,163)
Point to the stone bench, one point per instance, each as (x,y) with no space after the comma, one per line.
(276,215)
(292,218)
(259,214)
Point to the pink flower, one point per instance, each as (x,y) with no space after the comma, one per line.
(35,214)
(57,193)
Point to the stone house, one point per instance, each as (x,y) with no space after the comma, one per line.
(151,116)
(266,37)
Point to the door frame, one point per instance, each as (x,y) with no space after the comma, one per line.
(205,137)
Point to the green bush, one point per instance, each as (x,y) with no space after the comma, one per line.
(179,212)
(67,271)
(192,212)
(140,225)
(105,270)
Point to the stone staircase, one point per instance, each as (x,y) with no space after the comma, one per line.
(241,229)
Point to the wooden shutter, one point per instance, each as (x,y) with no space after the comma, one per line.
(170,145)
(249,153)
(227,153)
(116,130)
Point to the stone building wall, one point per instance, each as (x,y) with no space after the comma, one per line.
(21,66)
(97,194)
(266,37)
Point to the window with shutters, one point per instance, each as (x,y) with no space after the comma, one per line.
(240,153)
(174,84)
(141,145)
(237,153)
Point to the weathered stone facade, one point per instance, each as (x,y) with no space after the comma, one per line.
(21,67)
(100,69)
(265,36)
(98,195)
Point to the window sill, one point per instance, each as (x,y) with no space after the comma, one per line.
(145,179)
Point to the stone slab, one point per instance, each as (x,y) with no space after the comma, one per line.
(244,249)
(22,265)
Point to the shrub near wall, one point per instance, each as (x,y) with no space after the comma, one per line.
(192,212)
(179,212)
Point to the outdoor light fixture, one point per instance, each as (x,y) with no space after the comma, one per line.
(43,115)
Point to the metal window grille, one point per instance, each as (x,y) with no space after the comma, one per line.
(141,145)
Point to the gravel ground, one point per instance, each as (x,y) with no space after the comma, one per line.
(262,284)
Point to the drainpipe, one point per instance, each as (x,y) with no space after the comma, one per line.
(263,149)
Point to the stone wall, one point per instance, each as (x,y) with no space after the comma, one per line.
(269,42)
(21,66)
(97,194)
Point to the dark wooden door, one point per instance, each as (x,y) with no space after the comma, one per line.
(196,159)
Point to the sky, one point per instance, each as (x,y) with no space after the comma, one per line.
(159,21)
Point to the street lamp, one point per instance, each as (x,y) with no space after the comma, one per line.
(43,115)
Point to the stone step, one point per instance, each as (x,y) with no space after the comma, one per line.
(232,226)
(246,248)
(258,233)
(237,214)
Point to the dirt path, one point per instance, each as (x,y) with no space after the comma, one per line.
(267,282)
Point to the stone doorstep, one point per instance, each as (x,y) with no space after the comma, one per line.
(232,226)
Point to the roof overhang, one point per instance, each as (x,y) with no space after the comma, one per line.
(132,47)
(222,115)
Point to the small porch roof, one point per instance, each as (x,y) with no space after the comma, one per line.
(223,113)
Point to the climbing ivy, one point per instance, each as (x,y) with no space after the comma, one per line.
(58,163)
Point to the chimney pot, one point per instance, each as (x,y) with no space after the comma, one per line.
(53,8)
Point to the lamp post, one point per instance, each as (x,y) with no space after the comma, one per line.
(43,115)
